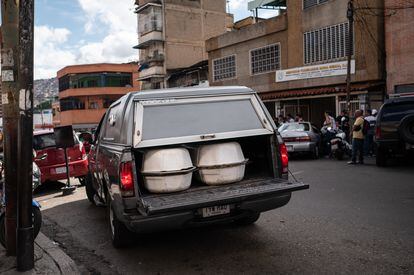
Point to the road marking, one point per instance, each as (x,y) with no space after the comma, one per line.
(298,172)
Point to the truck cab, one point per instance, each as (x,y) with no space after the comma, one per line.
(175,158)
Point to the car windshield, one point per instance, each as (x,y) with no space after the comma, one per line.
(300,127)
(44,141)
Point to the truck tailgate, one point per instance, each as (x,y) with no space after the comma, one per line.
(216,195)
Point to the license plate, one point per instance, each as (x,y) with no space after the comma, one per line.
(60,170)
(334,146)
(289,148)
(215,210)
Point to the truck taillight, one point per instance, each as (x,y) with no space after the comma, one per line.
(285,158)
(126,179)
(378,132)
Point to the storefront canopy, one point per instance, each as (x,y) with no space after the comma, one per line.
(266,4)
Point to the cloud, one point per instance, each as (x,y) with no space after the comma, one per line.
(114,19)
(49,51)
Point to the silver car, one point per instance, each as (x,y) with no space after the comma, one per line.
(301,137)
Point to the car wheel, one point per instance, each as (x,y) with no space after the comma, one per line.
(250,219)
(90,191)
(120,235)
(3,230)
(381,158)
(406,129)
(315,152)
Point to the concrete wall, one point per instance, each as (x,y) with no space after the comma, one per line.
(288,30)
(399,37)
(187,25)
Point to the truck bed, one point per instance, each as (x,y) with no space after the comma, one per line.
(216,195)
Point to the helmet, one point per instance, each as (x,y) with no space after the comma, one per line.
(374,112)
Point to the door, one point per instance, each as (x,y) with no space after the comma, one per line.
(93,157)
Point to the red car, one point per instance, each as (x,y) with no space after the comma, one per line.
(53,166)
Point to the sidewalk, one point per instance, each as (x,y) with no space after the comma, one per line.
(49,259)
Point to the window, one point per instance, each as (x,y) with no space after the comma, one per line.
(266,59)
(224,68)
(71,103)
(310,3)
(43,141)
(150,19)
(93,105)
(326,44)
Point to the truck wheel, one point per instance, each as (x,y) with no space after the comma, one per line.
(90,191)
(381,158)
(250,219)
(3,230)
(406,129)
(120,235)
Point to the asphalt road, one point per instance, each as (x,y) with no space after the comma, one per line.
(353,219)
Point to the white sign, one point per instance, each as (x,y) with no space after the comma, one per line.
(314,71)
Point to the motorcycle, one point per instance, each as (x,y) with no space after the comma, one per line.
(37,216)
(339,146)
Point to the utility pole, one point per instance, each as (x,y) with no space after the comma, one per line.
(10,96)
(350,16)
(25,236)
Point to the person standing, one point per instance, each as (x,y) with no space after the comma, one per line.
(369,138)
(329,121)
(358,139)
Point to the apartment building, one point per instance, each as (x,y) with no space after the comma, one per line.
(296,60)
(399,40)
(171,39)
(86,91)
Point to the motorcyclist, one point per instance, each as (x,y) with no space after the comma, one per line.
(343,123)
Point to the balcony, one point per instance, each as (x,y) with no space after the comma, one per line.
(152,72)
(152,35)
(154,58)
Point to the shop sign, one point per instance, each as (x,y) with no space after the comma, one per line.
(314,71)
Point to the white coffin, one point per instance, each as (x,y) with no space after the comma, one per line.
(220,163)
(167,170)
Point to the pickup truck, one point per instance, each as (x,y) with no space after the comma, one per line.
(186,118)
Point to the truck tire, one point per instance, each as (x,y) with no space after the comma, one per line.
(90,191)
(120,235)
(406,129)
(250,219)
(82,180)
(381,158)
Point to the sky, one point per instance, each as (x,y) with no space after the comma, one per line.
(71,32)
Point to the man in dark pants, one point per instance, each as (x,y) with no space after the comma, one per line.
(358,139)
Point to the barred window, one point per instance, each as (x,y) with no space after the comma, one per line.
(310,3)
(265,59)
(326,44)
(224,68)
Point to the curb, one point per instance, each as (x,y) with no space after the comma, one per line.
(65,264)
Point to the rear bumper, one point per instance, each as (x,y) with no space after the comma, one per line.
(297,147)
(76,169)
(191,218)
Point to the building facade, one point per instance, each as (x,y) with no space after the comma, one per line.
(172,35)
(86,91)
(399,39)
(296,61)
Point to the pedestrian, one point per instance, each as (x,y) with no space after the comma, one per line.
(281,119)
(343,123)
(358,139)
(299,118)
(369,138)
(329,121)
(290,118)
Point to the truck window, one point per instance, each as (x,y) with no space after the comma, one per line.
(190,119)
(396,112)
(113,124)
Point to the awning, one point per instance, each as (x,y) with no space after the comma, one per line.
(356,87)
(265,4)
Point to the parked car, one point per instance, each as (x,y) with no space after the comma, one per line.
(53,166)
(394,133)
(301,137)
(187,157)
